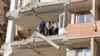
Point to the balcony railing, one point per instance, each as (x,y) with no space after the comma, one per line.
(43,2)
(29,4)
(83,30)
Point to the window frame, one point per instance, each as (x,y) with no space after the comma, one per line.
(83,51)
(85,16)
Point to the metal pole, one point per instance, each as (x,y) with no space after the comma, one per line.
(94,14)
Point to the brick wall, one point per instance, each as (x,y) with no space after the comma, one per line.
(82,30)
(77,0)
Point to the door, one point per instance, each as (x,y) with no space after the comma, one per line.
(61,23)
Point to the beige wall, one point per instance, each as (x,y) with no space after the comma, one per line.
(71,52)
(99,14)
(1,12)
(76,46)
(42,47)
(32,22)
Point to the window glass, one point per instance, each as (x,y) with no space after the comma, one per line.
(83,52)
(81,18)
(87,52)
(80,53)
(61,23)
(88,17)
(84,17)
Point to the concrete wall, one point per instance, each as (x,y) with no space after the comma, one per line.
(79,44)
(29,21)
(98,49)
(74,47)
(99,14)
(2,5)
(40,49)
(71,53)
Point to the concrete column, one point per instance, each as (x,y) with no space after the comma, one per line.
(13,5)
(10,28)
(10,31)
(73,18)
(23,3)
(5,18)
(70,52)
(66,14)
(16,30)
(19,4)
(94,14)
(9,38)
(76,18)
(95,9)
(93,47)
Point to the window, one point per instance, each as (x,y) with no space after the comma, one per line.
(83,52)
(61,22)
(84,17)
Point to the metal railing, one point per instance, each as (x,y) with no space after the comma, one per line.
(25,5)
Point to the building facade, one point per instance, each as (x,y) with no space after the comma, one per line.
(82,20)
(83,29)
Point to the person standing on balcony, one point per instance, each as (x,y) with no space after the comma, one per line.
(47,28)
(50,28)
(42,27)
(57,26)
(54,26)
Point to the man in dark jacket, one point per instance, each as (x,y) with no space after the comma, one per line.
(42,27)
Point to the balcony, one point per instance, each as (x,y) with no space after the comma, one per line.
(26,5)
(77,0)
(52,2)
(83,30)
